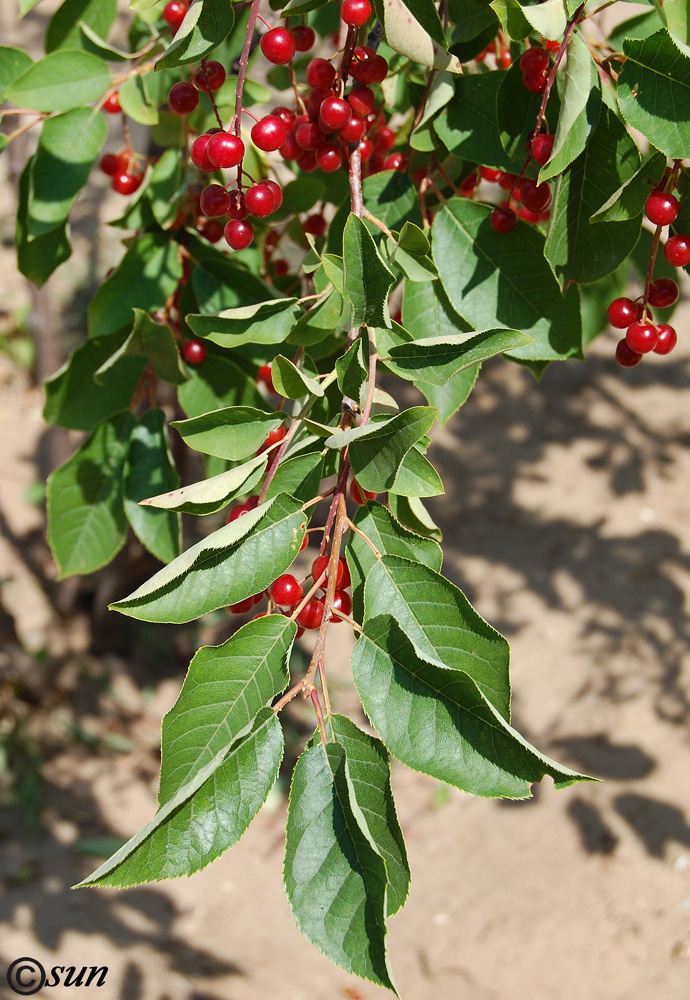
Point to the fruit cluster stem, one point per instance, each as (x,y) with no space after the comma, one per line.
(320,644)
(236,125)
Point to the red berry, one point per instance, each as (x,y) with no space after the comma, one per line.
(621,313)
(502,219)
(641,337)
(241,509)
(199,153)
(355,12)
(266,377)
(225,149)
(127,183)
(320,564)
(238,234)
(625,356)
(269,133)
(278,46)
(280,268)
(182,98)
(315,99)
(491,175)
(242,607)
(384,139)
(304,37)
(193,351)
(307,161)
(210,229)
(535,197)
(360,495)
(236,209)
(285,591)
(396,161)
(210,76)
(315,225)
(341,602)
(290,150)
(676,251)
(109,164)
(505,59)
(541,148)
(273,437)
(112,103)
(535,84)
(259,200)
(334,113)
(308,135)
(373,69)
(174,13)
(661,209)
(667,339)
(366,148)
(361,100)
(214,201)
(311,614)
(663,293)
(328,157)
(320,73)
(534,61)
(346,581)
(286,115)
(277,193)
(353,131)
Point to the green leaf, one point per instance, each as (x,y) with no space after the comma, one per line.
(448,398)
(146,276)
(417,477)
(548,18)
(150,468)
(437,359)
(234,432)
(75,400)
(166,180)
(470,18)
(216,383)
(411,254)
(205,26)
(225,688)
(299,476)
(441,624)
(93,42)
(439,722)
(368,771)
(367,279)
(86,518)
(407,35)
(640,26)
(392,198)
(580,108)
(351,371)
(411,512)
(211,495)
(290,382)
(377,451)
(576,250)
(61,81)
(68,147)
(37,259)
(325,318)
(654,92)
(63,30)
(13,64)
(426,312)
(235,562)
(424,11)
(676,17)
(335,879)
(206,816)
(503,280)
(512,18)
(260,323)
(137,105)
(153,341)
(467,127)
(628,200)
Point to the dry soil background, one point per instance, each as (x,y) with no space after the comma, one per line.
(566,522)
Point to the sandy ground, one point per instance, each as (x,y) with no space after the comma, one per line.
(566,522)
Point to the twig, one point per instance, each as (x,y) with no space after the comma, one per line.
(353,527)
(366,214)
(319,715)
(371,384)
(320,645)
(236,125)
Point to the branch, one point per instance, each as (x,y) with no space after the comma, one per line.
(236,124)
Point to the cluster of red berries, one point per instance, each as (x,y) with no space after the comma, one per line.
(534,64)
(122,168)
(287,592)
(642,336)
(174,13)
(498,48)
(534,198)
